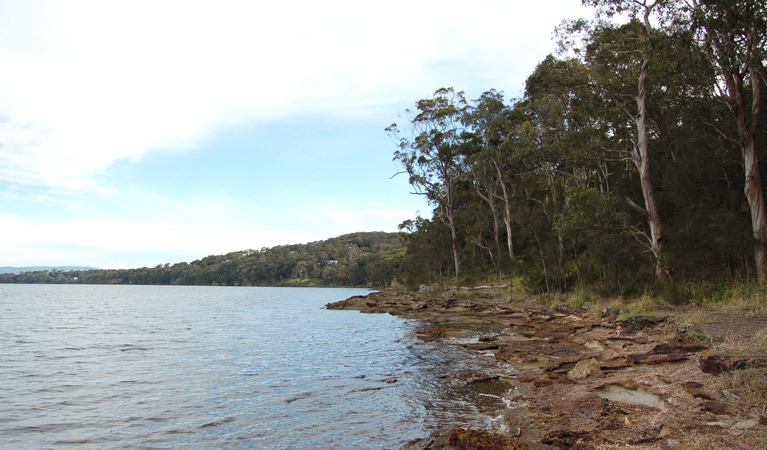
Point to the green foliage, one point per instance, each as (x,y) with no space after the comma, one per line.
(358,259)
(547,188)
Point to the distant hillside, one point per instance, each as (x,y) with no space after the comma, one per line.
(17,270)
(357,259)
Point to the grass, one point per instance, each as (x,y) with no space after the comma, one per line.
(748,440)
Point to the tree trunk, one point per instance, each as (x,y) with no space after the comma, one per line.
(506,211)
(454,238)
(453,234)
(642,162)
(753,186)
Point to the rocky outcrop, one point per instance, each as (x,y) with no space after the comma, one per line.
(576,380)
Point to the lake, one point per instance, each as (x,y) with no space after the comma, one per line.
(157,367)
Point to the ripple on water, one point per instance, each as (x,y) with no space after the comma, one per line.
(195,367)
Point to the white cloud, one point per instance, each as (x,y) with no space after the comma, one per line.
(89,82)
(332,220)
(122,243)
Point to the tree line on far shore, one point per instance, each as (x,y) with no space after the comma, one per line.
(631,161)
(357,259)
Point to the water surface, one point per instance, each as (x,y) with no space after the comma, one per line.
(214,367)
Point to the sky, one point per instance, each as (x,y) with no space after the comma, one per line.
(137,133)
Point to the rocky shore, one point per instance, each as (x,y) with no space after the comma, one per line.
(596,380)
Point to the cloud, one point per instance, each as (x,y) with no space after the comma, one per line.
(121,243)
(90,82)
(333,220)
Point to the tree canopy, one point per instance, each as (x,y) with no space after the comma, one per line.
(624,163)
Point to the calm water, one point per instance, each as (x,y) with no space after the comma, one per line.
(213,367)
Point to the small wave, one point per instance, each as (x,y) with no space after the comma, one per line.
(299,397)
(217,422)
(131,348)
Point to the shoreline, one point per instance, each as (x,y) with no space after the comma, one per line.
(591,381)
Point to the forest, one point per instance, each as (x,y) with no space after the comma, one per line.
(631,162)
(357,259)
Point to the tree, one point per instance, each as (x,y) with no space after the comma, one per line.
(734,32)
(625,52)
(493,121)
(433,155)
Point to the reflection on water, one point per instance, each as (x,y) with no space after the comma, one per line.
(200,367)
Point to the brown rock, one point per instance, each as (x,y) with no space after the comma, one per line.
(564,438)
(715,407)
(679,347)
(482,346)
(470,376)
(588,405)
(615,363)
(717,364)
(535,347)
(652,358)
(461,439)
(584,369)
(696,390)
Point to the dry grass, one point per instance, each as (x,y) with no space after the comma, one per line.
(747,306)
(747,440)
(693,317)
(750,385)
(754,345)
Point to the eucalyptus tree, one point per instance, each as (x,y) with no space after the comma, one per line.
(432,153)
(553,140)
(734,33)
(620,57)
(493,121)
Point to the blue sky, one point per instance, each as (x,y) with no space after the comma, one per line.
(138,133)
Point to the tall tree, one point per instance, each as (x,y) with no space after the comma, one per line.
(433,153)
(735,35)
(632,52)
(491,119)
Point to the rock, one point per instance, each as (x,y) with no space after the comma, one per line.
(470,376)
(481,346)
(588,405)
(746,424)
(584,369)
(665,431)
(563,438)
(652,358)
(615,363)
(718,364)
(461,439)
(679,347)
(716,407)
(696,390)
(594,346)
(534,347)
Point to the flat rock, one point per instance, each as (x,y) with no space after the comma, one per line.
(746,424)
(461,439)
(696,390)
(584,369)
(718,364)
(716,407)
